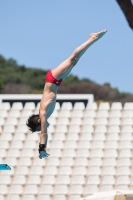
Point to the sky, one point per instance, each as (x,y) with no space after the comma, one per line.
(41,34)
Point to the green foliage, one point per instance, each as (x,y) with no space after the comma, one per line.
(107,84)
(11,72)
(33,80)
(123,95)
(1,85)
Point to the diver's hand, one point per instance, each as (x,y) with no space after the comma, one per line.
(42,151)
(43,154)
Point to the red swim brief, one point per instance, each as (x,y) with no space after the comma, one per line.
(49,78)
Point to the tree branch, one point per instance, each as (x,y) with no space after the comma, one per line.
(127,8)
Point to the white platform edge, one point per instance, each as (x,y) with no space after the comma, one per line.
(89,97)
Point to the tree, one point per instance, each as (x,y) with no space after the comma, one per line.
(127,8)
(1,85)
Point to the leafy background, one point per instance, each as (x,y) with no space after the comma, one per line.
(19,79)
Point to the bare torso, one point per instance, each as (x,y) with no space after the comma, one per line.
(48,100)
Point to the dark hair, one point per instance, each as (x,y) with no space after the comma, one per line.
(32,122)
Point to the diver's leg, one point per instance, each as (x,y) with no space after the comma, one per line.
(62,70)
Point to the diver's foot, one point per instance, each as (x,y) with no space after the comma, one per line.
(96,36)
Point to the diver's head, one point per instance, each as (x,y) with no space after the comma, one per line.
(34,123)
